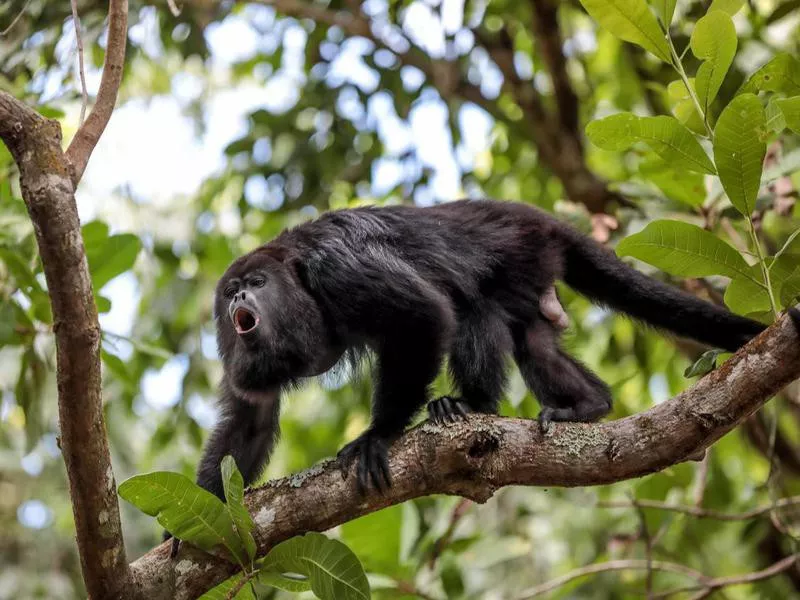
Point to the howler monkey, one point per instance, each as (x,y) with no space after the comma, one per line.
(472,280)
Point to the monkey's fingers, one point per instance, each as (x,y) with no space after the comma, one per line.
(447,410)
(346,457)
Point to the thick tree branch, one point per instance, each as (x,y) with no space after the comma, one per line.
(35,144)
(88,134)
(547,34)
(476,458)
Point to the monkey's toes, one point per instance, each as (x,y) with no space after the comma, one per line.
(447,410)
(373,462)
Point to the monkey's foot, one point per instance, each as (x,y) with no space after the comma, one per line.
(547,415)
(447,410)
(373,461)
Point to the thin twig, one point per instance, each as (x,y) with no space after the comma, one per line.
(6,31)
(82,73)
(704,513)
(174,8)
(723,582)
(88,134)
(442,543)
(607,567)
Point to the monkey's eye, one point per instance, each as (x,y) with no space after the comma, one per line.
(229,291)
(257,282)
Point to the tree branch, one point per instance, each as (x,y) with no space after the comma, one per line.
(547,35)
(706,584)
(35,144)
(705,513)
(88,134)
(476,458)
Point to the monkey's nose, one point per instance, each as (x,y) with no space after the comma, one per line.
(239,296)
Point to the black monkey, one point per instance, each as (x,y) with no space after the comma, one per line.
(470,279)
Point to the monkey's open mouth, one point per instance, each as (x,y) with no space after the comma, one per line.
(244,321)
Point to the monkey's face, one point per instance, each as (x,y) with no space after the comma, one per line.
(246,305)
(270,331)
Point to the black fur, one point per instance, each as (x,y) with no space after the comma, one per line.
(413,285)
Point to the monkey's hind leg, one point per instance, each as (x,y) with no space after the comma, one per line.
(477,364)
(566,389)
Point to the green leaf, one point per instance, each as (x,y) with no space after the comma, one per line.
(681,186)
(781,74)
(332,569)
(745,297)
(18,268)
(705,364)
(685,250)
(111,257)
(714,41)
(380,553)
(184,509)
(223,590)
(665,9)
(103,304)
(632,21)
(776,122)
(790,108)
(233,484)
(665,135)
(739,151)
(7,323)
(790,291)
(290,583)
(730,7)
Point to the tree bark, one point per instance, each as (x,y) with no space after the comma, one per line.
(47,189)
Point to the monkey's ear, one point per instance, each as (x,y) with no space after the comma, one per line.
(299,270)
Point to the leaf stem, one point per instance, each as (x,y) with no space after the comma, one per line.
(678,66)
(763,264)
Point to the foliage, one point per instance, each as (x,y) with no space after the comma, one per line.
(691,112)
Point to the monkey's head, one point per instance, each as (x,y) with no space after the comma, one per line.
(270,330)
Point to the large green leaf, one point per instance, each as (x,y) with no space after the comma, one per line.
(632,21)
(746,297)
(333,571)
(714,41)
(184,509)
(684,249)
(233,485)
(681,186)
(739,151)
(665,8)
(113,257)
(665,135)
(781,74)
(379,553)
(790,108)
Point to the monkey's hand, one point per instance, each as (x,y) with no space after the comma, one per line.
(372,454)
(446,410)
(176,543)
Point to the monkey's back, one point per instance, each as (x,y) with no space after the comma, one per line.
(478,252)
